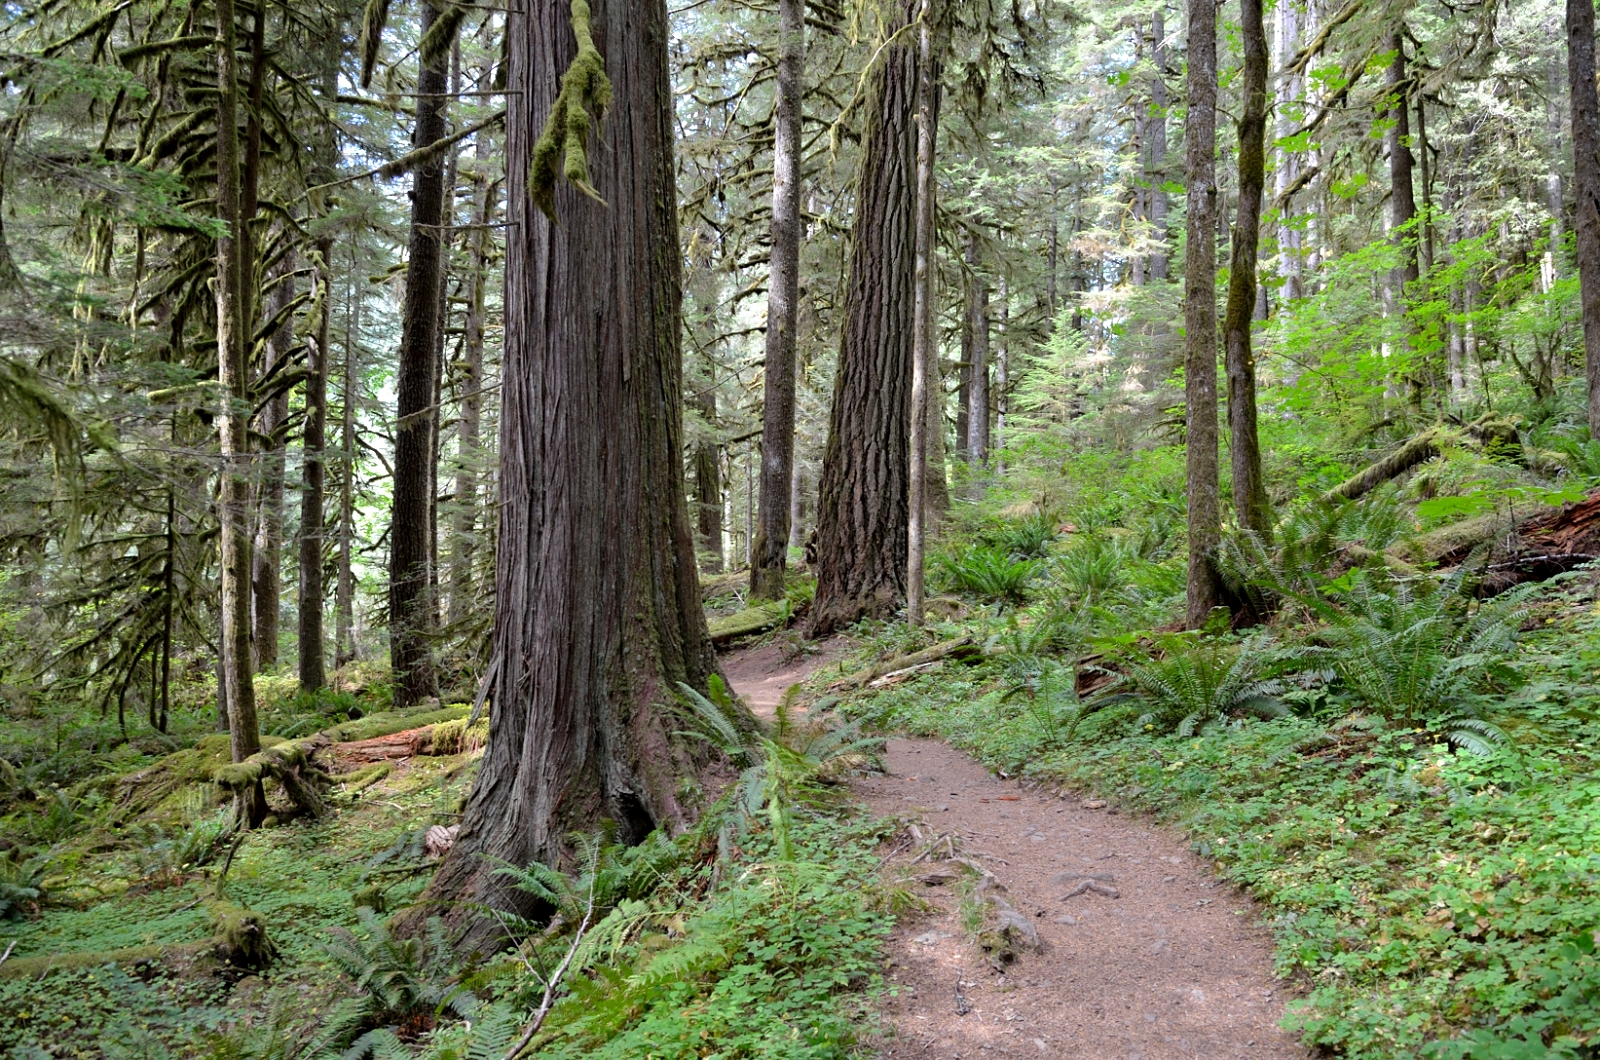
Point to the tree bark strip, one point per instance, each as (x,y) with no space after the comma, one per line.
(1250,503)
(1586,189)
(862,505)
(597,601)
(770,550)
(1200,316)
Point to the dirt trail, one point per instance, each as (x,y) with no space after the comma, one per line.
(1172,966)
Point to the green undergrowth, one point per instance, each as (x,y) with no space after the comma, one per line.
(1429,901)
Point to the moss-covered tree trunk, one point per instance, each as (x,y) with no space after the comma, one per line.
(1250,504)
(234,668)
(597,601)
(862,505)
(1200,315)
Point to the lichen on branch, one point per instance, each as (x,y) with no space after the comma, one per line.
(585,94)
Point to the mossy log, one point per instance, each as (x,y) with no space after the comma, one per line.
(750,621)
(961,649)
(290,763)
(1419,449)
(131,957)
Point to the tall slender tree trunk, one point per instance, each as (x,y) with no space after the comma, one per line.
(1250,503)
(314,441)
(708,486)
(1586,188)
(1002,381)
(266,582)
(1402,199)
(236,677)
(976,441)
(1290,88)
(462,534)
(344,645)
(597,602)
(410,542)
(1156,144)
(312,666)
(769,552)
(1200,315)
(921,320)
(447,237)
(862,499)
(970,284)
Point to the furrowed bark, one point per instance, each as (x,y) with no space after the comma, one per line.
(410,539)
(862,506)
(1586,188)
(770,550)
(597,601)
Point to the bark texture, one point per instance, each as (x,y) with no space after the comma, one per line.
(464,528)
(597,602)
(1156,143)
(1586,188)
(265,579)
(921,323)
(314,441)
(236,685)
(410,526)
(770,551)
(1200,315)
(1250,504)
(862,507)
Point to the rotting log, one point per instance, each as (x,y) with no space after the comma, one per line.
(241,941)
(961,649)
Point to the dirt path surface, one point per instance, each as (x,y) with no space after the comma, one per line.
(761,675)
(1154,959)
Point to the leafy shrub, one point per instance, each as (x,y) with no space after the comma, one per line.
(1095,567)
(989,573)
(21,881)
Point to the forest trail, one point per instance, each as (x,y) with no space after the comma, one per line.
(1173,965)
(760,676)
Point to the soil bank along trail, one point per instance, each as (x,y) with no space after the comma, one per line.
(1142,953)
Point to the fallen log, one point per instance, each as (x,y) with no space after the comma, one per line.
(962,649)
(1422,448)
(747,623)
(290,763)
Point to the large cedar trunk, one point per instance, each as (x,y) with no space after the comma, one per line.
(769,553)
(410,527)
(862,505)
(1586,188)
(597,603)
(1200,315)
(1250,503)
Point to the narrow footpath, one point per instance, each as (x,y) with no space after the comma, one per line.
(1137,951)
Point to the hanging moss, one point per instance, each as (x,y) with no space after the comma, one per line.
(585,94)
